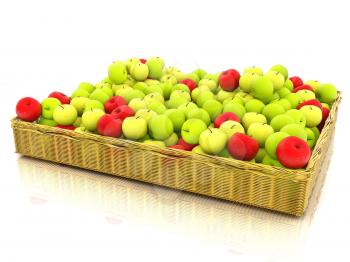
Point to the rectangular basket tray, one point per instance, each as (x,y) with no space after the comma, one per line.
(274,188)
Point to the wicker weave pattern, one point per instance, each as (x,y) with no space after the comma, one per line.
(249,183)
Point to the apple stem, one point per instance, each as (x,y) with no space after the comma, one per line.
(210,130)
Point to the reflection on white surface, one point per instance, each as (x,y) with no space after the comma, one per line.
(240,229)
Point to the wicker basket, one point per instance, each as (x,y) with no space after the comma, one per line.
(274,188)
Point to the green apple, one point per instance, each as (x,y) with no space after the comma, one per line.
(281,69)
(224,153)
(285,103)
(79,92)
(133,93)
(211,84)
(275,96)
(160,127)
(212,141)
(289,85)
(283,92)
(313,115)
(134,127)
(262,87)
(191,130)
(293,99)
(179,75)
(137,103)
(81,130)
(213,107)
(180,94)
(90,118)
(154,143)
(246,80)
(153,89)
(245,97)
(200,73)
(251,118)
(272,142)
(93,104)
(236,108)
(140,86)
(145,138)
(222,95)
(267,160)
(272,110)
(120,88)
(46,122)
(139,71)
(254,105)
(171,140)
(199,113)
(231,127)
(106,88)
(154,97)
(305,95)
(311,139)
(77,122)
(280,121)
(298,116)
(130,81)
(156,66)
(176,102)
(314,84)
(326,93)
(65,115)
(295,130)
(99,95)
(48,105)
(204,96)
(146,114)
(198,150)
(152,82)
(177,117)
(156,106)
(117,72)
(79,103)
(88,87)
(260,132)
(130,62)
(214,77)
(277,79)
(168,78)
(195,93)
(316,132)
(253,70)
(260,155)
(167,89)
(107,80)
(185,108)
(180,87)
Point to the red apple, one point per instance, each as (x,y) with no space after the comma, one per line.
(296,80)
(28,109)
(303,87)
(113,103)
(190,83)
(60,96)
(311,102)
(325,114)
(181,147)
(143,61)
(122,112)
(109,126)
(242,147)
(225,117)
(66,127)
(187,146)
(229,79)
(293,152)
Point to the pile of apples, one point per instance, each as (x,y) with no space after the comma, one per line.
(254,116)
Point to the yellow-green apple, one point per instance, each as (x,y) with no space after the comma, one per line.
(171,140)
(295,130)
(185,108)
(260,132)
(231,127)
(313,115)
(191,130)
(280,121)
(254,105)
(137,103)
(212,141)
(177,117)
(156,66)
(277,79)
(48,105)
(93,104)
(272,142)
(213,107)
(146,114)
(254,70)
(134,127)
(246,80)
(79,103)
(326,93)
(65,115)
(281,69)
(305,95)
(139,71)
(236,108)
(272,110)
(90,118)
(160,127)
(117,72)
(46,122)
(298,116)
(251,118)
(262,87)
(199,113)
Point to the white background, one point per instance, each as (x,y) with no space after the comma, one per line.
(53,45)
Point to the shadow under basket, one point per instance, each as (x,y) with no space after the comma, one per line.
(279,189)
